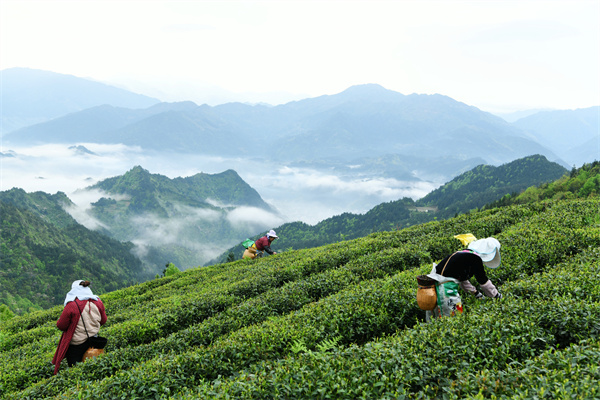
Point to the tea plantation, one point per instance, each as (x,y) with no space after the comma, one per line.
(341,322)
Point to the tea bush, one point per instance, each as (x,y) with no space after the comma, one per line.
(233,330)
(440,359)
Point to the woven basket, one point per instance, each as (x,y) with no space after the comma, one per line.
(91,353)
(426,295)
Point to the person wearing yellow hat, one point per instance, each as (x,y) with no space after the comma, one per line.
(458,268)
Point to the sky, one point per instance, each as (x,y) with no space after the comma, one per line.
(500,56)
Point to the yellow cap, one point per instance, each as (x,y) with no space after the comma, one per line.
(465,238)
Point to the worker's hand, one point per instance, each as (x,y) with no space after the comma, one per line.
(478,295)
(498,296)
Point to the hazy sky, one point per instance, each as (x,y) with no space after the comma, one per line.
(496,55)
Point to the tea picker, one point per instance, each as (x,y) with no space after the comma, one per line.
(438,291)
(256,249)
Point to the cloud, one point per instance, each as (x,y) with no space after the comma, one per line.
(82,206)
(300,194)
(381,187)
(55,167)
(194,215)
(252,219)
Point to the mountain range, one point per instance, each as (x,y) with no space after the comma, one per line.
(354,126)
(365,131)
(576,132)
(363,121)
(31,96)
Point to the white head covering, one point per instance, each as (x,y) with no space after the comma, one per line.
(488,249)
(272,234)
(81,292)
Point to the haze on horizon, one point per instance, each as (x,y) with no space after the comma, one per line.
(500,56)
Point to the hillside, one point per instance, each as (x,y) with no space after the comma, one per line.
(42,247)
(31,96)
(487,183)
(144,221)
(469,190)
(579,183)
(187,220)
(341,321)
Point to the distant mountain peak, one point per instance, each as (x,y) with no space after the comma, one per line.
(367,88)
(371,91)
(82,150)
(138,169)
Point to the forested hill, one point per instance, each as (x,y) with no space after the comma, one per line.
(186,220)
(581,182)
(486,183)
(150,192)
(44,249)
(341,322)
(470,190)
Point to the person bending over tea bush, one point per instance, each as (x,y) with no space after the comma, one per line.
(261,245)
(81,318)
(458,268)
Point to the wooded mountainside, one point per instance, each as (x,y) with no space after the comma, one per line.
(180,220)
(486,183)
(581,182)
(43,251)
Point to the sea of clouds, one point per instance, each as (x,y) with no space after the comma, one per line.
(299,194)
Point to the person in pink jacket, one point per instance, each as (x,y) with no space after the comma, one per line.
(264,243)
(83,311)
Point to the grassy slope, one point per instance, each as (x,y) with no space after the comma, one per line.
(260,329)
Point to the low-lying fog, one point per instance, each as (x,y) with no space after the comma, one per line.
(300,194)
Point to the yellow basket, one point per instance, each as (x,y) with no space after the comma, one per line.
(426,295)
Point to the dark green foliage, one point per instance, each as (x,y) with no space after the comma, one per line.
(44,250)
(48,207)
(485,184)
(579,183)
(170,269)
(341,321)
(5,313)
